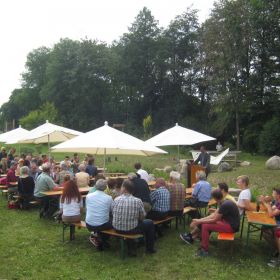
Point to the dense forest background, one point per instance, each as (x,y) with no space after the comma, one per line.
(220,77)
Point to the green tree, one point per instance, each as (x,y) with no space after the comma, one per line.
(147,125)
(46,112)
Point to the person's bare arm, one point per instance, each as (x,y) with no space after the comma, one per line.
(211,219)
(246,205)
(271,212)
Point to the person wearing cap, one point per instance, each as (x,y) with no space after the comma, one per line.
(141,190)
(45,183)
(98,205)
(177,194)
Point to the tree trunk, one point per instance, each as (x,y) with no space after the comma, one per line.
(237,130)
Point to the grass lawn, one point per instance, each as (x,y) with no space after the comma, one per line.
(31,248)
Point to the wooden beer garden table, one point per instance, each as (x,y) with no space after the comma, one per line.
(59,192)
(256,220)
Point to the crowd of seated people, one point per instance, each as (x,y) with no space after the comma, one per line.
(130,206)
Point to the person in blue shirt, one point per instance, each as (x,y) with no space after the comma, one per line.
(160,199)
(91,169)
(201,194)
(98,205)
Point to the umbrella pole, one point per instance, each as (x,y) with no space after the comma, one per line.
(49,146)
(104,163)
(178,156)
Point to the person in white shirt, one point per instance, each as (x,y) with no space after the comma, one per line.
(219,147)
(244,198)
(71,203)
(98,205)
(141,172)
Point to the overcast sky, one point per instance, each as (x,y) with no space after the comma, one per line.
(29,24)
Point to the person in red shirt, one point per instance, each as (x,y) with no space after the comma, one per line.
(11,179)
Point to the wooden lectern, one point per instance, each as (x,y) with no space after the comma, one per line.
(192,169)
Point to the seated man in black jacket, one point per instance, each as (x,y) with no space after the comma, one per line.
(141,190)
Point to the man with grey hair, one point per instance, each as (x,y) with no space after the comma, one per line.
(82,177)
(141,190)
(98,205)
(177,194)
(64,172)
(201,194)
(25,187)
(45,183)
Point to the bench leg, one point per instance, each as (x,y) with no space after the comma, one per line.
(123,248)
(72,232)
(64,227)
(177,218)
(242,224)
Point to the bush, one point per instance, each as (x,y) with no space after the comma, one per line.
(269,138)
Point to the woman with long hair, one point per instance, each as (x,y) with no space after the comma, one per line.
(71,203)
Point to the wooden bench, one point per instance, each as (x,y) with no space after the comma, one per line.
(168,219)
(111,232)
(228,236)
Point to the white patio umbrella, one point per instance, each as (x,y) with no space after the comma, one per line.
(13,134)
(107,140)
(48,133)
(177,136)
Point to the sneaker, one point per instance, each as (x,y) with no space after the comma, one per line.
(187,238)
(274,260)
(201,253)
(274,263)
(93,234)
(94,240)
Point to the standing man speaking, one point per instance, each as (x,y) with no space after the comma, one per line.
(204,160)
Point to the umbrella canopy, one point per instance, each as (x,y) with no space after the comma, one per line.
(178,135)
(13,135)
(48,133)
(107,140)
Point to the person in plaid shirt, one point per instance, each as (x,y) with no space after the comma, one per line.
(160,201)
(128,218)
(177,194)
